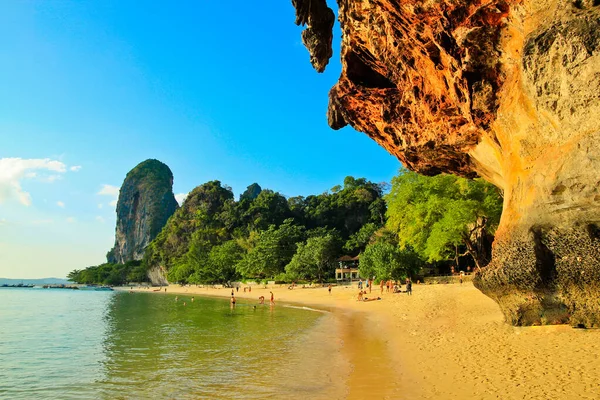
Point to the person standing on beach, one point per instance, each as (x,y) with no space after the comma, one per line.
(329,287)
(381,283)
(370,285)
(409,286)
(237,288)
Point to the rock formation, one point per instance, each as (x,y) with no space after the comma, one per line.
(146,202)
(196,224)
(508,90)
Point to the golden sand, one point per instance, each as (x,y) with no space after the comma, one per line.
(446,341)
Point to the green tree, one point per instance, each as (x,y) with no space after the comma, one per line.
(199,223)
(75,275)
(265,224)
(359,240)
(222,261)
(385,260)
(437,215)
(273,250)
(268,208)
(314,259)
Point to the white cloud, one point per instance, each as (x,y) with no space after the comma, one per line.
(71,220)
(180,197)
(100,219)
(109,190)
(60,204)
(13,170)
(100,205)
(3,221)
(75,168)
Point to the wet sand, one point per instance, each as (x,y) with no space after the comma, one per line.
(444,342)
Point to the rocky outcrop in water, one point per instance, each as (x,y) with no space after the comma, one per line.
(146,202)
(508,90)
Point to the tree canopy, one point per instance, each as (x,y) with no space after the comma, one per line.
(437,216)
(214,239)
(314,259)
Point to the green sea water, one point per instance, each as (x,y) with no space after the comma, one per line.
(65,344)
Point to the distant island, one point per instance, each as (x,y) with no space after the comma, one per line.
(41,281)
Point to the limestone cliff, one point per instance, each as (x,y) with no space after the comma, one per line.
(504,89)
(146,202)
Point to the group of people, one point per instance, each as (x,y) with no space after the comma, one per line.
(261,299)
(395,286)
(389,285)
(184,303)
(368,285)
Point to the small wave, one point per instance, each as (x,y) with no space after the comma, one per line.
(308,309)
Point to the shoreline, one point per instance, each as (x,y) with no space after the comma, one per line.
(446,341)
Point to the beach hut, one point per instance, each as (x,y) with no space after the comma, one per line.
(348,269)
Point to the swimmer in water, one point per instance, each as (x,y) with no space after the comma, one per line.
(272,298)
(176,298)
(192,299)
(261,300)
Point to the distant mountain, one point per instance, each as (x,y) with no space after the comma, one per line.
(42,281)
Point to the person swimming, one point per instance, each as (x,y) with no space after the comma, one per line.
(261,300)
(233,300)
(272,298)
(192,299)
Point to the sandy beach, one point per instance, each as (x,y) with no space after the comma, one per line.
(446,341)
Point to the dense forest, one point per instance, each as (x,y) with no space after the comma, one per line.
(263,235)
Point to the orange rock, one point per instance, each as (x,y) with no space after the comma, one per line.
(508,90)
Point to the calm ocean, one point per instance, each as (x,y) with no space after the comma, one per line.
(68,344)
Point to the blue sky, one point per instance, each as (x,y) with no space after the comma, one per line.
(214,91)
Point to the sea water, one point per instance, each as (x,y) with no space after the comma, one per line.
(71,344)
